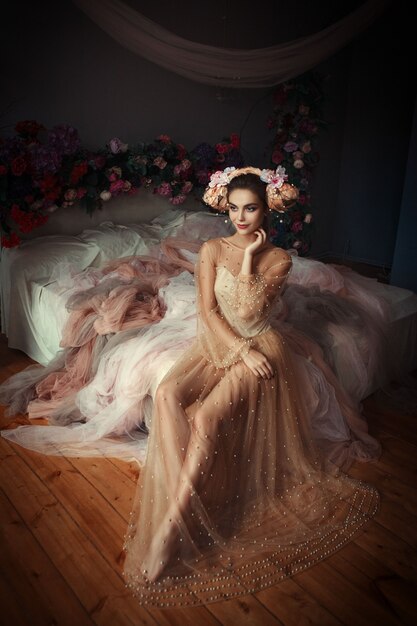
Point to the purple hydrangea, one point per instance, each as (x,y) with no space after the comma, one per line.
(45,159)
(64,139)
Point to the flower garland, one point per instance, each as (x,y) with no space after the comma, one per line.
(42,170)
(296,121)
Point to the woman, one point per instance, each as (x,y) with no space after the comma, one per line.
(235,495)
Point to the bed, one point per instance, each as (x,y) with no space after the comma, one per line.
(38,278)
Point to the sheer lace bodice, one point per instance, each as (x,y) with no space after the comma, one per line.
(233,307)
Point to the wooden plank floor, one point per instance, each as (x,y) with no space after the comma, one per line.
(63,522)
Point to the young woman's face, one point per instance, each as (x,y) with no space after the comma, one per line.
(246,211)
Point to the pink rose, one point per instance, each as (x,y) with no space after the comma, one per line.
(308,218)
(298,164)
(70,195)
(185,164)
(306,147)
(116,146)
(181,151)
(117,187)
(178,199)
(160,162)
(114,173)
(187,186)
(298,154)
(297,244)
(164,189)
(81,192)
(177,170)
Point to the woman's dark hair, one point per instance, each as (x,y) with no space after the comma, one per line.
(253,183)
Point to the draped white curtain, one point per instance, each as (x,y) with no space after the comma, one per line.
(262,67)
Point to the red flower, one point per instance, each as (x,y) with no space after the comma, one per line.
(235,140)
(296,227)
(222,148)
(281,136)
(18,166)
(78,172)
(10,241)
(280,96)
(28,128)
(182,152)
(3,170)
(277,157)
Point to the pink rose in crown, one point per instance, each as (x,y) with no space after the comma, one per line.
(298,154)
(177,170)
(296,227)
(160,162)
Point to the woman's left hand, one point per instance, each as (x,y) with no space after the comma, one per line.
(258,243)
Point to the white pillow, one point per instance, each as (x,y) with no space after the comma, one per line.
(113,242)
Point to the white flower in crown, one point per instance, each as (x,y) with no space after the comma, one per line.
(276,179)
(221,177)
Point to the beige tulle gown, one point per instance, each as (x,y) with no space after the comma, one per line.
(231,460)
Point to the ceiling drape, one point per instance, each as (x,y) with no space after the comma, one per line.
(227,67)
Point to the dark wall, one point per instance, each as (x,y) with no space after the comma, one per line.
(58,67)
(376,133)
(404,268)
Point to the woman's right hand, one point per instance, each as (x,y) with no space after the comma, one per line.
(258,364)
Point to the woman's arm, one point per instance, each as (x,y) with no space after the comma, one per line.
(253,292)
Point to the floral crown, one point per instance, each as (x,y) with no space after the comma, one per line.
(279,194)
